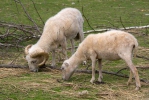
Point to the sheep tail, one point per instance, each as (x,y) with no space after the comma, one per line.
(134,51)
(135,48)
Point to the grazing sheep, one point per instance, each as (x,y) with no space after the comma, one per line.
(67,24)
(111,45)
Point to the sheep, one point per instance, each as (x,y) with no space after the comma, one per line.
(110,45)
(67,24)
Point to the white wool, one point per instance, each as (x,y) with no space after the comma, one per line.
(67,24)
(110,45)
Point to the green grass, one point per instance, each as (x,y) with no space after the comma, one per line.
(20,84)
(100,13)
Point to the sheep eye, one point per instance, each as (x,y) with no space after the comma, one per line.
(33,62)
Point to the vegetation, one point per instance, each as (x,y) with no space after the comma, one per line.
(20,84)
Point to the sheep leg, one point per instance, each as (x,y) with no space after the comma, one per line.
(135,73)
(130,78)
(59,56)
(72,46)
(128,60)
(81,35)
(93,58)
(53,58)
(100,71)
(64,48)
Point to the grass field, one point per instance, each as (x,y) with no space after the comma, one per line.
(100,13)
(20,84)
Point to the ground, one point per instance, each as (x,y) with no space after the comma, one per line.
(20,81)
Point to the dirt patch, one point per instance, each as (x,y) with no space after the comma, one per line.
(6,72)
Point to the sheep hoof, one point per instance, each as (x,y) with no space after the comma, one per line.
(101,82)
(128,83)
(137,88)
(100,79)
(92,81)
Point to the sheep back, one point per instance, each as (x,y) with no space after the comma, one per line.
(108,45)
(67,22)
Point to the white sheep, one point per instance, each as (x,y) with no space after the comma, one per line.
(67,24)
(111,45)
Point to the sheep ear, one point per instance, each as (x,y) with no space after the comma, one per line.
(66,64)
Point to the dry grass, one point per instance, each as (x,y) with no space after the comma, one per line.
(6,72)
(111,90)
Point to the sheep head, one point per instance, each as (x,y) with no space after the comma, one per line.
(67,70)
(36,58)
